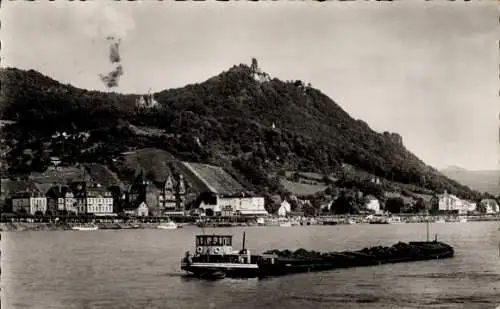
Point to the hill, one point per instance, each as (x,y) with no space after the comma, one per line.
(483,181)
(241,120)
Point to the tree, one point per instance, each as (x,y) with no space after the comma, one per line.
(38,214)
(310,209)
(343,204)
(209,212)
(419,206)
(394,204)
(294,205)
(481,207)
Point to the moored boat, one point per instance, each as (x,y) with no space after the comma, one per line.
(395,220)
(85,227)
(129,226)
(170,225)
(284,222)
(379,221)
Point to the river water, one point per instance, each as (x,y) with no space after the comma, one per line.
(141,269)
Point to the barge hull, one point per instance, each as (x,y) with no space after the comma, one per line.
(278,263)
(228,271)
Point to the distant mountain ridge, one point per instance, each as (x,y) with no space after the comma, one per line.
(480,180)
(242,120)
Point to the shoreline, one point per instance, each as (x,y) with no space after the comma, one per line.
(44,226)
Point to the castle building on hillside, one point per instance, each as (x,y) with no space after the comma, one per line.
(146,101)
(172,196)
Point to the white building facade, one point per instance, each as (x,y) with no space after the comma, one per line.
(142,210)
(285,209)
(99,202)
(490,205)
(373,204)
(449,202)
(29,203)
(230,206)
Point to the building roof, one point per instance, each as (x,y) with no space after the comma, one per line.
(135,205)
(406,199)
(489,201)
(26,194)
(58,191)
(425,197)
(209,178)
(61,175)
(10,187)
(98,192)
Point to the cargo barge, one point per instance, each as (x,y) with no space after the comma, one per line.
(215,258)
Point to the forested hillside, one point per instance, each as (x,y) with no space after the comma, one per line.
(242,120)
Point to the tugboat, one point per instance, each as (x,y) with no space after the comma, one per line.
(215,258)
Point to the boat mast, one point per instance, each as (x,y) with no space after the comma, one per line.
(243,246)
(427,228)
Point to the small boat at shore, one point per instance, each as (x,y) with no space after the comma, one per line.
(330,222)
(378,221)
(283,222)
(214,258)
(85,227)
(170,225)
(130,226)
(395,220)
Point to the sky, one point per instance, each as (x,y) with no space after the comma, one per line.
(427,70)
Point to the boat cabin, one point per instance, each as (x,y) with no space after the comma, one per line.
(214,244)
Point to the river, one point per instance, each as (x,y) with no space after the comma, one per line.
(141,269)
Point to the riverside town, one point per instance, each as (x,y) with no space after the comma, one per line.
(207,196)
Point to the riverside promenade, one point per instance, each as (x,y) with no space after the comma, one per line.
(30,225)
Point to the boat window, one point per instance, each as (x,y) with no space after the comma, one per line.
(209,241)
(228,241)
